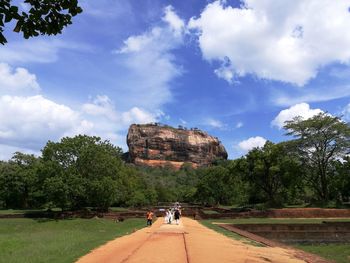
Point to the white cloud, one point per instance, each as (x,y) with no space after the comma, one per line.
(101,105)
(303,110)
(215,123)
(175,22)
(239,125)
(251,143)
(17,80)
(30,121)
(27,123)
(225,73)
(149,63)
(137,115)
(285,40)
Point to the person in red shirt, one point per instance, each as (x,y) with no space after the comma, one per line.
(149,217)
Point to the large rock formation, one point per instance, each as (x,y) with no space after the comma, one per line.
(156,145)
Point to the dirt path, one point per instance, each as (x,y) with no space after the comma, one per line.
(189,242)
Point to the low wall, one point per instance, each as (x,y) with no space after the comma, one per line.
(326,232)
(281,213)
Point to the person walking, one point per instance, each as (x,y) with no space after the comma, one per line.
(149,217)
(177,216)
(166,217)
(170,216)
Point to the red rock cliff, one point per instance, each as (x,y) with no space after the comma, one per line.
(155,145)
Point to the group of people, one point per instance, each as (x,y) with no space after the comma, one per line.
(171,214)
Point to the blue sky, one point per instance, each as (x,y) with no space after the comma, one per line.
(236,69)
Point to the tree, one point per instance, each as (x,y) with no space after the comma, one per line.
(216,186)
(342,179)
(45,17)
(319,141)
(270,172)
(19,181)
(91,171)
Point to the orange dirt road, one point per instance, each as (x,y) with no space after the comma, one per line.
(188,242)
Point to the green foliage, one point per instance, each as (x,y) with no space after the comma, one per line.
(19,181)
(319,141)
(45,17)
(220,185)
(271,172)
(82,170)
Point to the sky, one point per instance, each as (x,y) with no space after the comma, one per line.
(236,69)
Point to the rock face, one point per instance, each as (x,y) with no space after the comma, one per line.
(155,145)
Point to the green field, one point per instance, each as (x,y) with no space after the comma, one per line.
(215,227)
(64,241)
(210,212)
(340,253)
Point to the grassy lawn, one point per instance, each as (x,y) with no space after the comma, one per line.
(340,253)
(337,252)
(209,224)
(119,209)
(210,212)
(39,241)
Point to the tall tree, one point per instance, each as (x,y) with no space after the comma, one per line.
(19,181)
(86,166)
(216,186)
(319,141)
(45,17)
(271,171)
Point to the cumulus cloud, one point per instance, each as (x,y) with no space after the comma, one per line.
(103,106)
(285,40)
(302,109)
(35,120)
(175,22)
(17,80)
(149,63)
(251,143)
(28,121)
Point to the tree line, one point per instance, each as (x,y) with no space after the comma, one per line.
(85,171)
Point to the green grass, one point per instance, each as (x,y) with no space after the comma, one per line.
(40,241)
(209,224)
(340,253)
(119,209)
(210,212)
